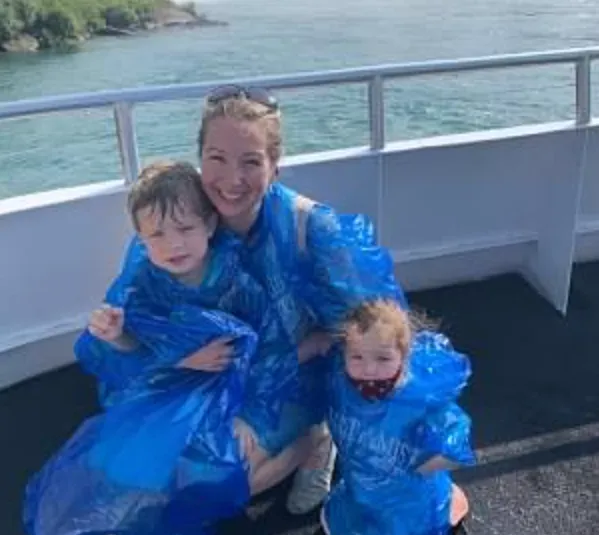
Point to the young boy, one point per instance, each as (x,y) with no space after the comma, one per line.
(397,429)
(163,316)
(175,221)
(173,349)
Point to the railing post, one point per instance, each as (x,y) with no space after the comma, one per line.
(376,112)
(583,90)
(125,131)
(376,119)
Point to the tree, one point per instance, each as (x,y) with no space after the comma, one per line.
(9,25)
(56,22)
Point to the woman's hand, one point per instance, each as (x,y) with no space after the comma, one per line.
(315,344)
(213,357)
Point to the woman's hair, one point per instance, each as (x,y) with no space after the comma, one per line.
(392,322)
(168,186)
(243,109)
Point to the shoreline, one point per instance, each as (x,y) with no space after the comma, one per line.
(163,16)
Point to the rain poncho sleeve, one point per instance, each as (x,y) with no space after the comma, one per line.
(162,458)
(445,427)
(345,265)
(383,444)
(115,369)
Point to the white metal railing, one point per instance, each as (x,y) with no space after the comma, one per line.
(123,101)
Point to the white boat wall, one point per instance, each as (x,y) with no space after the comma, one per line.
(450,209)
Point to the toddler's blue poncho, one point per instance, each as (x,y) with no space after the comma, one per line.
(382,443)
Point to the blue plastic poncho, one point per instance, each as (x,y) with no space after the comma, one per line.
(162,458)
(316,284)
(311,287)
(306,288)
(381,444)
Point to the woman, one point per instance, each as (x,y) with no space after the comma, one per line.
(310,266)
(313,264)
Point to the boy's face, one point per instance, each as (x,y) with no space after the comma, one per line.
(372,356)
(177,242)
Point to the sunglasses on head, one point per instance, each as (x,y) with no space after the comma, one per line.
(255,94)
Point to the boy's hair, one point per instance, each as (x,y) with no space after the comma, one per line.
(398,325)
(167,186)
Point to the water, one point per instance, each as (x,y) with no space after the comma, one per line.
(272,38)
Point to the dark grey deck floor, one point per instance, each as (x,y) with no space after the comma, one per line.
(534,399)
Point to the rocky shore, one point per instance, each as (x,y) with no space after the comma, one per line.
(63,29)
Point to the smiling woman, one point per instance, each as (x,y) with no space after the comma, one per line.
(313,264)
(240,153)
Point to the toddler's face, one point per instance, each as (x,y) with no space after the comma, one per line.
(371,356)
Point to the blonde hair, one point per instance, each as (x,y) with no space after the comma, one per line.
(167,186)
(243,109)
(392,323)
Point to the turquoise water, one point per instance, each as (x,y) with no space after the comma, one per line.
(271,38)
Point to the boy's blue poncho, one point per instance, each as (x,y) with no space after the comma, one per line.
(381,444)
(162,459)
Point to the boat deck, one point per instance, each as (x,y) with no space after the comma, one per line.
(534,400)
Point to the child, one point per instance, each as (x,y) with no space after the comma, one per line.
(173,363)
(397,429)
(175,221)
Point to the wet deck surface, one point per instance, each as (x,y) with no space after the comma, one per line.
(534,399)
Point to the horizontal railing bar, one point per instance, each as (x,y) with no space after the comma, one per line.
(282,82)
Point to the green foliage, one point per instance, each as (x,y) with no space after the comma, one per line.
(190,7)
(8,21)
(59,22)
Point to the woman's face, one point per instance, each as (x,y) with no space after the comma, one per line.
(236,169)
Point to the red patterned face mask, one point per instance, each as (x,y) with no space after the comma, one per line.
(375,389)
